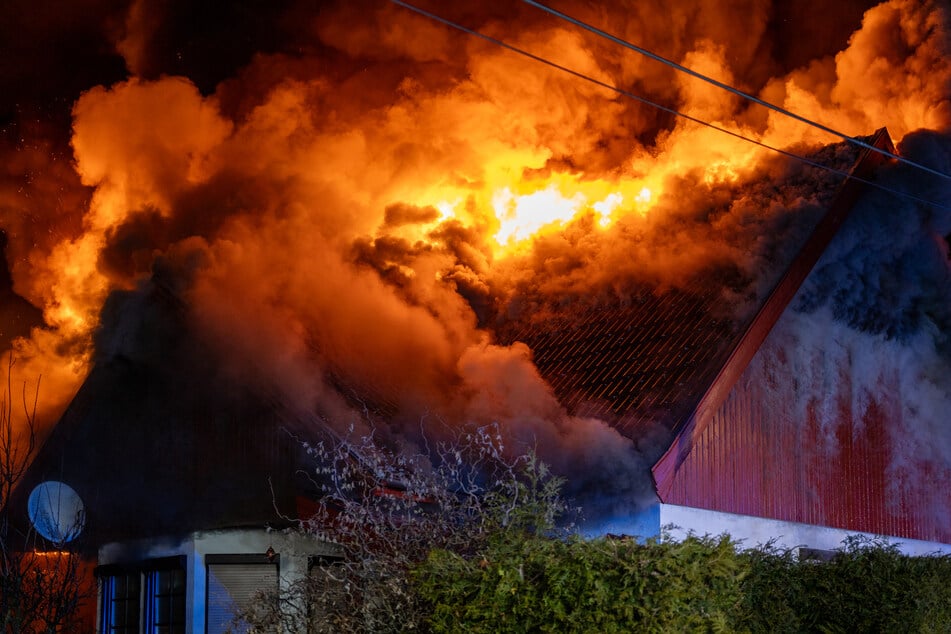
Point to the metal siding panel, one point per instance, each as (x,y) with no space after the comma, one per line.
(826,463)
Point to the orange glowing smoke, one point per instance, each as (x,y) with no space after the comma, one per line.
(333,219)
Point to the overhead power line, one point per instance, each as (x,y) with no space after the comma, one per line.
(661,107)
(731,89)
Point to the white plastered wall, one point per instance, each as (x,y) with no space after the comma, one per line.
(294,549)
(679,521)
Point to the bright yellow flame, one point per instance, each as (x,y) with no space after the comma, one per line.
(522,216)
(447,209)
(521,209)
(563,198)
(606,207)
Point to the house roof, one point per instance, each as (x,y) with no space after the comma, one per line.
(636,362)
(160,455)
(666,357)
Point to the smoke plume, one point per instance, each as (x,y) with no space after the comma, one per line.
(346,202)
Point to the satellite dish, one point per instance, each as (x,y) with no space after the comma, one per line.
(56,511)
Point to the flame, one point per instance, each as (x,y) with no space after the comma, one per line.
(524,211)
(521,217)
(447,208)
(542,210)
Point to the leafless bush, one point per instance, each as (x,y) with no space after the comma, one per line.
(386,512)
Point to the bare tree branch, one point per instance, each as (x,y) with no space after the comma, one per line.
(386,511)
(41,582)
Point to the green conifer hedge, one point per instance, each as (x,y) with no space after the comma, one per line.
(527,582)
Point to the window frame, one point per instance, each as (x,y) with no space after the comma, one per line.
(109,602)
(146,573)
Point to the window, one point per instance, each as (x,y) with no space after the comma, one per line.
(323,586)
(146,597)
(120,603)
(234,582)
(166,610)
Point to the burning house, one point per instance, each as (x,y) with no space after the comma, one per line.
(700,311)
(771,436)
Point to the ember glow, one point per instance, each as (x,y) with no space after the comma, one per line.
(358,200)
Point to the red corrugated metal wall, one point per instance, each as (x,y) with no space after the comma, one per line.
(817,430)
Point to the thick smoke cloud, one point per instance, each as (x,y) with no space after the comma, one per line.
(888,274)
(895,70)
(847,394)
(327,199)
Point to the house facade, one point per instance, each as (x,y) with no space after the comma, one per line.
(199,582)
(183,494)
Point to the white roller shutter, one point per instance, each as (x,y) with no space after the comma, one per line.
(232,587)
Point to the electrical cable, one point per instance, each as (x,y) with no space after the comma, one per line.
(731,89)
(661,107)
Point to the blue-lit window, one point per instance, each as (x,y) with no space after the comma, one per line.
(120,603)
(165,590)
(147,597)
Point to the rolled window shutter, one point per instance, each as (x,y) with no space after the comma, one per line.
(232,588)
